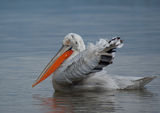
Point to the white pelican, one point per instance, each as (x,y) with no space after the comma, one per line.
(76,67)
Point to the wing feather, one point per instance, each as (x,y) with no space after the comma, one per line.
(87,62)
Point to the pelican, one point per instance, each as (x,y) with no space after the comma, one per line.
(76,67)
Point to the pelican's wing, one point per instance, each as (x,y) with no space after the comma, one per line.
(86,63)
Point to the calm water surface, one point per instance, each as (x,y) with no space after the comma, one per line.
(31,32)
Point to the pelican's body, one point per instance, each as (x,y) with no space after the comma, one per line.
(76,67)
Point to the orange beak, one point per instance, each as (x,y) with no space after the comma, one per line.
(54,64)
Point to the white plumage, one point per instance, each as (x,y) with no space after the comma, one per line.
(78,68)
(82,70)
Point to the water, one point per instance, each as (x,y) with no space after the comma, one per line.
(31,32)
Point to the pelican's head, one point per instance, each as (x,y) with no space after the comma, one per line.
(72,43)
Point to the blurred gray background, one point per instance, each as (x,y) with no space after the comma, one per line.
(31,32)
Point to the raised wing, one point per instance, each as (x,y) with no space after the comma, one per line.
(86,63)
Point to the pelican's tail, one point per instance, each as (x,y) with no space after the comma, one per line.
(125,82)
(103,81)
(140,83)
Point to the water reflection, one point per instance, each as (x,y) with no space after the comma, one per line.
(77,102)
(92,102)
(53,105)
